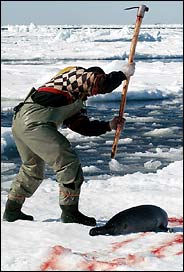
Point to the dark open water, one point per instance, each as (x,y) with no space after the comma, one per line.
(133,155)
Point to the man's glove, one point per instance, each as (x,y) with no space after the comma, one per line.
(116,120)
(128,69)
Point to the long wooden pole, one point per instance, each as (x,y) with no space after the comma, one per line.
(119,128)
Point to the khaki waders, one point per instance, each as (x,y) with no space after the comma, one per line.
(38,142)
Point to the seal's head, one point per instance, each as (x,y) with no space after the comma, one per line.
(94,232)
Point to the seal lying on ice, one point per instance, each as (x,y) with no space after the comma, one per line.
(141,218)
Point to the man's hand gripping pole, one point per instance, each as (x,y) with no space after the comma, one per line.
(140,15)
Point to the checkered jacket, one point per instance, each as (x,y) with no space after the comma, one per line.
(72,81)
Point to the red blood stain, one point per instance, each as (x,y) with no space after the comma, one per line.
(179,252)
(90,262)
(159,251)
(175,220)
(118,245)
(52,262)
(96,265)
(87,265)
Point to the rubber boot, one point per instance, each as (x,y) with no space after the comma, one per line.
(13,212)
(71,214)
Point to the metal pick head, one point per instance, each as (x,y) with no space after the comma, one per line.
(141,10)
(130,8)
